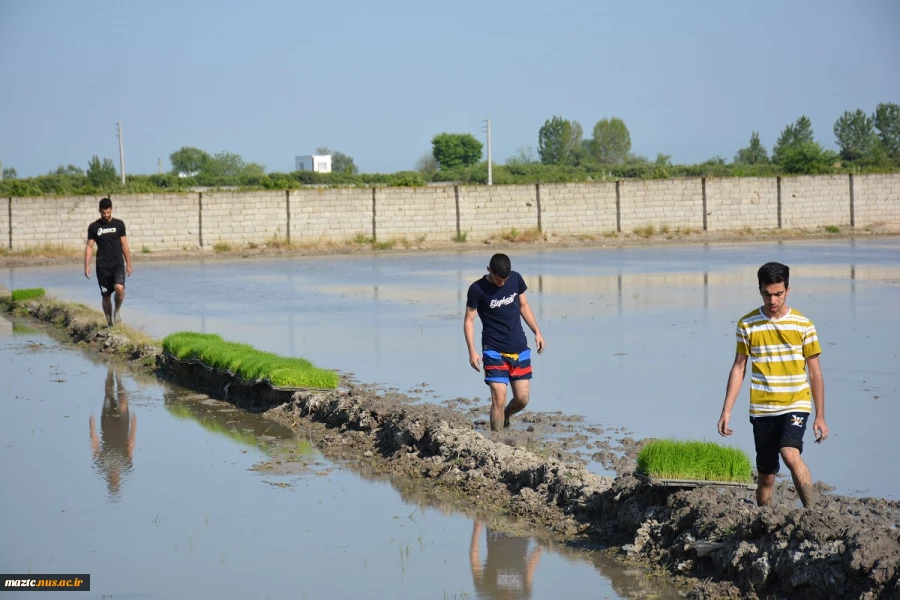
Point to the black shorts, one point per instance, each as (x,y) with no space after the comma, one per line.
(109,277)
(771,434)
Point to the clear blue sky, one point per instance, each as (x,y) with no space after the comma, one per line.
(377,80)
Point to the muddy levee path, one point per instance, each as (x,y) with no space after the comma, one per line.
(715,539)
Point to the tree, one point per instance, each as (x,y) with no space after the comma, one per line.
(9,173)
(663,160)
(524,156)
(340,162)
(855,133)
(806,158)
(427,163)
(253,171)
(100,174)
(611,141)
(793,135)
(189,160)
(887,122)
(453,150)
(556,139)
(69,170)
(754,154)
(224,164)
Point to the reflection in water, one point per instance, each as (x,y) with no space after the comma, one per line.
(222,418)
(113,450)
(508,569)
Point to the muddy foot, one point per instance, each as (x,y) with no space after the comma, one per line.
(118,317)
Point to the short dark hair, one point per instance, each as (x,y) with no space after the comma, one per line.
(500,265)
(773,272)
(105,203)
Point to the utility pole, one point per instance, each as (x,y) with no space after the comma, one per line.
(1,170)
(159,165)
(490,180)
(121,154)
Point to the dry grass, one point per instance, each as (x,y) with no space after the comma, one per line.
(385,245)
(44,251)
(645,232)
(527,236)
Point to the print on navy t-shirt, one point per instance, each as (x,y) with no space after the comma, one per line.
(108,237)
(498,307)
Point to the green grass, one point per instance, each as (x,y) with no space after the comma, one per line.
(460,238)
(832,229)
(27,294)
(247,362)
(691,459)
(222,247)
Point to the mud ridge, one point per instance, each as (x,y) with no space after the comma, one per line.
(716,538)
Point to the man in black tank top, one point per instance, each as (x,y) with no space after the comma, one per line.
(112,246)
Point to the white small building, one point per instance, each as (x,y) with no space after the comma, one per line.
(315,162)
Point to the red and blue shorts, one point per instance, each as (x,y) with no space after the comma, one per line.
(500,367)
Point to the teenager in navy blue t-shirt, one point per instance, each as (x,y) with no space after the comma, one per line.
(499,300)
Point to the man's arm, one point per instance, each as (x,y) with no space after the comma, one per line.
(735,380)
(469,331)
(127,252)
(817,384)
(88,252)
(525,309)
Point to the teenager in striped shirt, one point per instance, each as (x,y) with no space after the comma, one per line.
(783,345)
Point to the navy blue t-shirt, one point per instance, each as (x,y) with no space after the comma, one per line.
(498,307)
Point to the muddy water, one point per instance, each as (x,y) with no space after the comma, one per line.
(160,493)
(640,338)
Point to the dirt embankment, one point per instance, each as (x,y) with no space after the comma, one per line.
(716,539)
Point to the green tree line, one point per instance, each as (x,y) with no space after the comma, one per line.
(867,143)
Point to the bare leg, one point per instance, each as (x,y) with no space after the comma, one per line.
(800,475)
(498,400)
(120,298)
(764,489)
(107,310)
(521,389)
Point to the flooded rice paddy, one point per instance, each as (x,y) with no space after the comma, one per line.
(638,338)
(157,492)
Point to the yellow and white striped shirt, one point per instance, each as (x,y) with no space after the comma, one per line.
(778,350)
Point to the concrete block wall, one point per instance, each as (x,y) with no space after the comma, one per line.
(4,222)
(237,218)
(741,202)
(53,221)
(815,200)
(876,199)
(578,209)
(413,212)
(661,202)
(485,211)
(173,221)
(330,214)
(159,221)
